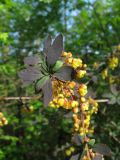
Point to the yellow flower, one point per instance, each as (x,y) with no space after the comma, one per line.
(85,106)
(4,121)
(66,104)
(72,84)
(82,90)
(84,66)
(104,73)
(113,62)
(69,54)
(76,126)
(80,73)
(60,95)
(1,114)
(74,104)
(51,104)
(82,99)
(69,60)
(75,110)
(76,63)
(64,54)
(72,149)
(111,79)
(55,100)
(96,65)
(82,131)
(68,152)
(61,101)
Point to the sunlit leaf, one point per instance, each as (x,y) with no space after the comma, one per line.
(39,84)
(91,142)
(58,65)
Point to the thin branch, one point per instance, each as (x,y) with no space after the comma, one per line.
(38,97)
(20,98)
(102,100)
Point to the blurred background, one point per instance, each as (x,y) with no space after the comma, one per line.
(91,28)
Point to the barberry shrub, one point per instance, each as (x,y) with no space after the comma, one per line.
(62,81)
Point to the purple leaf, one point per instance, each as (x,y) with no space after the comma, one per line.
(47,92)
(102,149)
(47,43)
(65,73)
(77,139)
(75,157)
(32,60)
(97,157)
(54,51)
(30,75)
(113,89)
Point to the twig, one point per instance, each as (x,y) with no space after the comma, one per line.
(20,98)
(38,97)
(102,100)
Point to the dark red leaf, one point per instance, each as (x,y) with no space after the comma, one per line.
(54,51)
(76,139)
(97,157)
(65,73)
(32,60)
(75,157)
(102,149)
(113,89)
(47,45)
(47,92)
(30,75)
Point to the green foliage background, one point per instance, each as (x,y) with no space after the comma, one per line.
(90,29)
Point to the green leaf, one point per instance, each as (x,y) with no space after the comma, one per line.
(44,68)
(57,65)
(91,142)
(40,83)
(8,138)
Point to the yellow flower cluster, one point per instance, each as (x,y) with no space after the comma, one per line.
(82,114)
(3,120)
(76,63)
(63,95)
(113,62)
(72,96)
(69,151)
